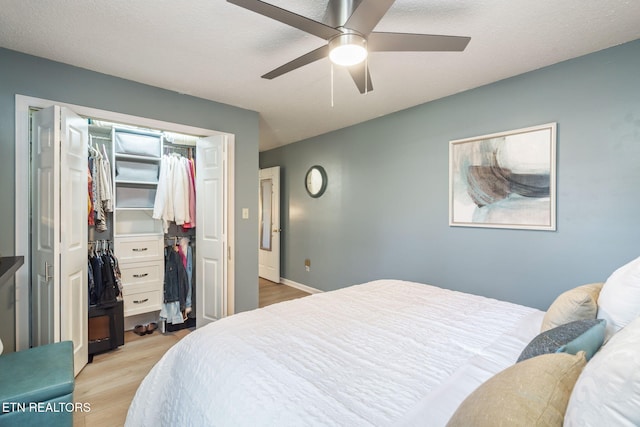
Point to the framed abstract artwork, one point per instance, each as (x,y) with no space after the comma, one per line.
(504,180)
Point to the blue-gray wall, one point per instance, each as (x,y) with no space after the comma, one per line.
(385,212)
(33,76)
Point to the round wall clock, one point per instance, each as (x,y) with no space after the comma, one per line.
(315,181)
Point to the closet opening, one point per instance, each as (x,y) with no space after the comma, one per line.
(150,219)
(138,237)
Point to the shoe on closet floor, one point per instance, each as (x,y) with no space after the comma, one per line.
(151,327)
(140,330)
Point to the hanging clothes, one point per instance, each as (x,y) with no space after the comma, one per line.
(187,260)
(175,193)
(101,187)
(91,212)
(192,195)
(108,281)
(175,202)
(163,204)
(106,192)
(175,286)
(96,269)
(105,284)
(170,312)
(117,275)
(180,191)
(92,285)
(175,277)
(93,170)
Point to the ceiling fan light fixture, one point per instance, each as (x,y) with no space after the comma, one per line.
(348,49)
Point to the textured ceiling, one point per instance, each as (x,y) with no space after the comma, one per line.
(216,50)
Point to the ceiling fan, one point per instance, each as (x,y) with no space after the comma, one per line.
(352,37)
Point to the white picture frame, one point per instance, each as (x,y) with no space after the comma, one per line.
(504,180)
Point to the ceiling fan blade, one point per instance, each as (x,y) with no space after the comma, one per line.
(286,17)
(367,15)
(358,73)
(301,61)
(403,42)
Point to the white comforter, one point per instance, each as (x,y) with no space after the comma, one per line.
(379,354)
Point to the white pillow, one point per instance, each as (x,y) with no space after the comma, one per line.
(607,392)
(619,299)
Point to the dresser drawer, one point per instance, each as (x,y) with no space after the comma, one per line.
(142,302)
(136,288)
(139,248)
(133,273)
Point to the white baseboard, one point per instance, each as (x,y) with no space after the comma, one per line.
(299,286)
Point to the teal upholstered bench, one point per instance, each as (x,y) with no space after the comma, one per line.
(36,386)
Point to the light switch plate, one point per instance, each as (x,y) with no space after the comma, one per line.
(245,213)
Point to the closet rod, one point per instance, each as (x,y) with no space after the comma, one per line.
(185,151)
(178,145)
(175,239)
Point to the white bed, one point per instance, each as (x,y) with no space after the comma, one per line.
(384,353)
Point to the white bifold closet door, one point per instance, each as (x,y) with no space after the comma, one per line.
(59,197)
(211,239)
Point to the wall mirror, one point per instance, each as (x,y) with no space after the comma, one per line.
(316,181)
(266,190)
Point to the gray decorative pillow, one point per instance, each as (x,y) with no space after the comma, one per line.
(572,337)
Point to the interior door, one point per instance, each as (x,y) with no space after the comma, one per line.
(211,236)
(269,213)
(74,300)
(59,230)
(45,210)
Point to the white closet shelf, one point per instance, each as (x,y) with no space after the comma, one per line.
(127,182)
(148,159)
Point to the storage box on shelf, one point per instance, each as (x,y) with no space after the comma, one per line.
(137,143)
(138,238)
(137,169)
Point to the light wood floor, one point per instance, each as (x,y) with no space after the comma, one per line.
(110,382)
(271,293)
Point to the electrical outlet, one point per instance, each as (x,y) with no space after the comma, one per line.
(307,268)
(307,265)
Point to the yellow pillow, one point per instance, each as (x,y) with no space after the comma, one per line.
(534,392)
(579,303)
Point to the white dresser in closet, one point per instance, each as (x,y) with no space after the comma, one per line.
(138,238)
